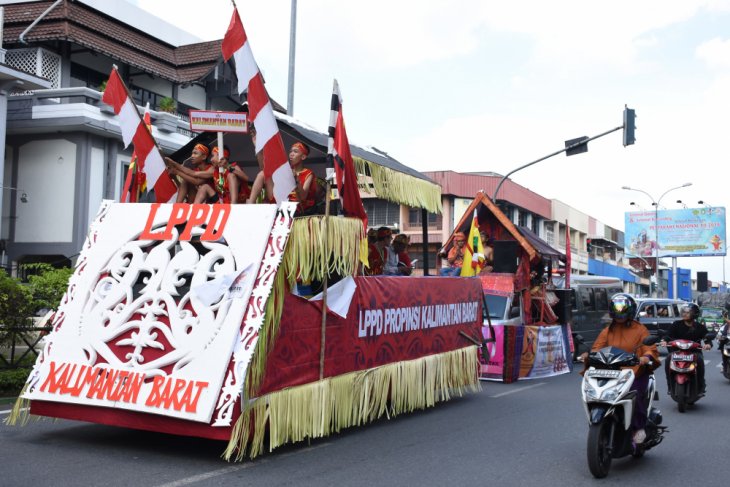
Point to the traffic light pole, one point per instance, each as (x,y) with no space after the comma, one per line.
(570,147)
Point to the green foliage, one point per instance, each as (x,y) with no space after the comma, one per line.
(102,86)
(15,304)
(167,104)
(12,381)
(47,285)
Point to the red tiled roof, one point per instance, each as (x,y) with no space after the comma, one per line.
(82,25)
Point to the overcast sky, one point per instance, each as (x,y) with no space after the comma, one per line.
(472,85)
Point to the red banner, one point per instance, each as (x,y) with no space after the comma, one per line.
(390,319)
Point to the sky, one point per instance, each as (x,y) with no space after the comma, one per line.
(482,85)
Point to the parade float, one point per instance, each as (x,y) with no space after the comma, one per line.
(186,319)
(527,323)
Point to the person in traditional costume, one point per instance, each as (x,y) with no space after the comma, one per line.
(230,183)
(378,252)
(400,244)
(455,257)
(305,192)
(191,178)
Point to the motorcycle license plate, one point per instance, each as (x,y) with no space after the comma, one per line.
(682,358)
(604,373)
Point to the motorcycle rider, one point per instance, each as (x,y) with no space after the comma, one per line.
(626,333)
(688,328)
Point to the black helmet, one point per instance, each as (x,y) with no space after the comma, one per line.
(622,306)
(692,309)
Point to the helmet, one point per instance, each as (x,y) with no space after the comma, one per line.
(622,306)
(692,309)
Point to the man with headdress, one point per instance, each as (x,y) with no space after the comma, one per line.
(190,179)
(400,244)
(230,183)
(455,256)
(379,251)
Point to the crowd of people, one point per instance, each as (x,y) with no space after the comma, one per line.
(387,254)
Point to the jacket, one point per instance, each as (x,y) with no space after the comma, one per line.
(629,339)
(680,331)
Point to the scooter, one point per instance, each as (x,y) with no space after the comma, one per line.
(683,356)
(609,403)
(723,339)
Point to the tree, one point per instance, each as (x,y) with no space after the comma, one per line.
(15,305)
(47,285)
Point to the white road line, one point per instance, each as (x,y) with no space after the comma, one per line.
(235,468)
(707,362)
(519,389)
(8,411)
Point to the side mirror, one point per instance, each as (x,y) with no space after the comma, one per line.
(579,338)
(650,340)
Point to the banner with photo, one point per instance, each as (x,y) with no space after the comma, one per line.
(689,232)
(545,352)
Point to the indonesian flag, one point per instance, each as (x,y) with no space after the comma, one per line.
(135,183)
(134,130)
(338,154)
(568,257)
(473,251)
(276,163)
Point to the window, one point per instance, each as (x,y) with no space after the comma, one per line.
(381,213)
(414,218)
(522,218)
(649,310)
(549,235)
(663,310)
(83,76)
(586,297)
(573,304)
(535,225)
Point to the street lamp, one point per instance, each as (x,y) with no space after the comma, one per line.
(655,203)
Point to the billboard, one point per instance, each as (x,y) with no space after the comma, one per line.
(689,232)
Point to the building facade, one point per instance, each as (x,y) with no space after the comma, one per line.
(63,146)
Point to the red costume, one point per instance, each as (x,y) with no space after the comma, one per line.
(309,200)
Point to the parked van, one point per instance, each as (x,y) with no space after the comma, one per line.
(589,303)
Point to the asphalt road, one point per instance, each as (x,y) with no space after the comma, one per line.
(527,433)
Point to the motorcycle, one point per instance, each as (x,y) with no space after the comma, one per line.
(609,403)
(684,386)
(723,340)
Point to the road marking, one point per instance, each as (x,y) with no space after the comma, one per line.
(235,468)
(707,362)
(8,411)
(519,389)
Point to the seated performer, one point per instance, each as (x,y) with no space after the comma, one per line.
(400,244)
(231,183)
(190,179)
(456,256)
(378,252)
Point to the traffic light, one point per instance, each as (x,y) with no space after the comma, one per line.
(629,126)
(589,247)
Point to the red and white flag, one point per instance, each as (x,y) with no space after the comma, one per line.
(276,163)
(134,130)
(338,155)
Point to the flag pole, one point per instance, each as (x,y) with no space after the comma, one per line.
(324,280)
(129,95)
